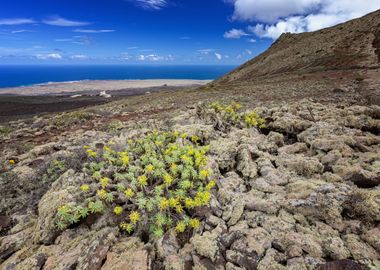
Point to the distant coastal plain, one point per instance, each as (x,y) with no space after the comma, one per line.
(27,101)
(94,87)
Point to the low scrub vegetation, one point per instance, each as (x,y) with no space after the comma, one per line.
(67,119)
(154,183)
(224,117)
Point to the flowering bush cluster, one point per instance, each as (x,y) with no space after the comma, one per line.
(156,182)
(232,115)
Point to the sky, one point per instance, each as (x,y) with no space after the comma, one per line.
(172,32)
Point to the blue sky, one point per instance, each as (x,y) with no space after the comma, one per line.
(159,31)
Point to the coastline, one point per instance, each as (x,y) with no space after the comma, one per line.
(94,87)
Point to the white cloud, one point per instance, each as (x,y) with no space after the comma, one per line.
(59,21)
(218,56)
(51,56)
(275,17)
(152,4)
(154,57)
(235,33)
(184,38)
(252,40)
(248,52)
(63,39)
(94,31)
(150,57)
(271,10)
(206,51)
(21,31)
(16,21)
(292,24)
(79,57)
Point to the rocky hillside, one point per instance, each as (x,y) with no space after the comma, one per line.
(299,192)
(351,47)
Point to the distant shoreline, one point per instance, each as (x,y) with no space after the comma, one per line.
(94,87)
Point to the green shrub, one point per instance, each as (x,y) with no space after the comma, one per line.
(153,183)
(71,118)
(4,130)
(114,126)
(55,169)
(225,116)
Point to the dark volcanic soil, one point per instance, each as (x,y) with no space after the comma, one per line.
(13,107)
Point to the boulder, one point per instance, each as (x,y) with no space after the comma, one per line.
(128,253)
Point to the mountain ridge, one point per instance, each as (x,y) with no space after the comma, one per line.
(340,47)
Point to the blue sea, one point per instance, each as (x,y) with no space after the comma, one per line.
(11,76)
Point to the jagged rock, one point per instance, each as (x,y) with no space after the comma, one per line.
(45,149)
(307,242)
(276,138)
(70,246)
(224,151)
(173,262)
(231,266)
(25,173)
(28,260)
(294,251)
(5,223)
(288,123)
(254,243)
(372,237)
(341,265)
(364,204)
(127,254)
(296,148)
(325,203)
(330,159)
(168,244)
(270,205)
(246,262)
(97,249)
(359,249)
(61,192)
(230,187)
(245,164)
(241,226)
(300,164)
(297,263)
(331,177)
(14,242)
(322,129)
(275,225)
(271,261)
(206,245)
(237,211)
(364,179)
(265,184)
(215,221)
(335,248)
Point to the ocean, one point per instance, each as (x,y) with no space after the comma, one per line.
(13,76)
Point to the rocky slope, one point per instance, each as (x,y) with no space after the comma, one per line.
(344,56)
(351,45)
(302,193)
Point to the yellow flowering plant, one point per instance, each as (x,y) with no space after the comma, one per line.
(156,182)
(225,116)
